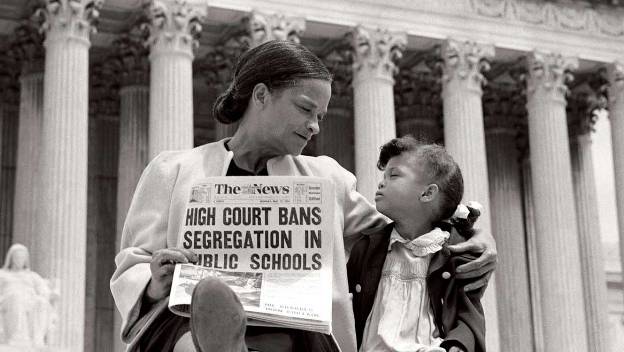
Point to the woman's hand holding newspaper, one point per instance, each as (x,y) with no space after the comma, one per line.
(162,266)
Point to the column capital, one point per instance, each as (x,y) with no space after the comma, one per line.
(217,66)
(9,78)
(503,109)
(376,52)
(616,79)
(417,94)
(130,59)
(174,27)
(73,19)
(104,89)
(27,47)
(339,61)
(581,113)
(549,72)
(466,61)
(263,27)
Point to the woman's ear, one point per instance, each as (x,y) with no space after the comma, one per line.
(260,94)
(430,193)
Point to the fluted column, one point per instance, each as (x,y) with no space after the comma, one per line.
(174,28)
(375,54)
(9,106)
(464,138)
(132,69)
(531,242)
(336,137)
(28,49)
(582,120)
(63,167)
(616,117)
(553,199)
(512,279)
(5,236)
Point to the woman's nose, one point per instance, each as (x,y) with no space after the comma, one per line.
(313,127)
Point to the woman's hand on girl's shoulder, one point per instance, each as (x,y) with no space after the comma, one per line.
(484,245)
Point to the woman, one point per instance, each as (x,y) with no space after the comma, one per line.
(279,94)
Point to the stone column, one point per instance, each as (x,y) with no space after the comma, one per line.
(464,138)
(9,106)
(616,117)
(63,167)
(101,215)
(336,136)
(28,49)
(553,199)
(375,54)
(531,242)
(174,28)
(581,119)
(132,69)
(502,117)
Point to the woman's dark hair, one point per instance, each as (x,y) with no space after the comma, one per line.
(439,166)
(278,64)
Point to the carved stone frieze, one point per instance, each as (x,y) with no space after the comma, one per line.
(339,61)
(606,20)
(417,94)
(263,27)
(504,103)
(550,72)
(69,18)
(376,51)
(586,99)
(130,59)
(174,27)
(104,90)
(217,66)
(581,112)
(466,61)
(9,81)
(27,47)
(503,108)
(616,80)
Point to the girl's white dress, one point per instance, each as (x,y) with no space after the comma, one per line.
(401,318)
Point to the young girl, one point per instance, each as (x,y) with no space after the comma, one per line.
(405,293)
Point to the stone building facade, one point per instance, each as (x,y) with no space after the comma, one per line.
(92,90)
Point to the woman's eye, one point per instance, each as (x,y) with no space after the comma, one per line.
(305,109)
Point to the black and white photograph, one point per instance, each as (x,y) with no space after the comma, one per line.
(471,154)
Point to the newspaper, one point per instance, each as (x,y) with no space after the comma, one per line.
(270,239)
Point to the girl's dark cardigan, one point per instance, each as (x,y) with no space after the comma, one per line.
(458,315)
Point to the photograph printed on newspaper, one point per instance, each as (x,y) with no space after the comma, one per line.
(270,239)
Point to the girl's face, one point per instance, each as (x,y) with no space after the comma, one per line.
(289,117)
(399,193)
(19,258)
